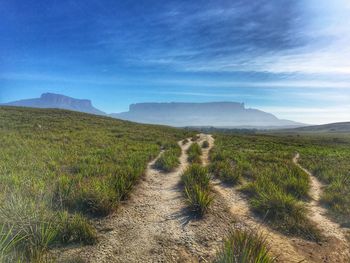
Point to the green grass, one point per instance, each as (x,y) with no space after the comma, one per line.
(205,144)
(194,153)
(169,159)
(196,181)
(245,246)
(276,188)
(226,171)
(58,168)
(328,158)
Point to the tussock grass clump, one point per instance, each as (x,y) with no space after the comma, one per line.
(8,243)
(29,229)
(185,141)
(30,223)
(337,196)
(246,246)
(169,159)
(75,229)
(194,153)
(284,212)
(227,171)
(197,189)
(205,144)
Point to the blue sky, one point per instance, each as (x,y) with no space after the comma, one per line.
(290,58)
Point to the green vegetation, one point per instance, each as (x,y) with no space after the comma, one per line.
(328,158)
(196,181)
(185,141)
(169,159)
(58,167)
(226,171)
(205,144)
(276,188)
(244,246)
(194,153)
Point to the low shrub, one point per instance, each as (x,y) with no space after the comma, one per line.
(245,246)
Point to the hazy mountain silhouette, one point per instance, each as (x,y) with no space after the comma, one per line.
(219,114)
(337,127)
(51,100)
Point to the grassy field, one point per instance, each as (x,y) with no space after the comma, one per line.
(276,188)
(60,168)
(328,158)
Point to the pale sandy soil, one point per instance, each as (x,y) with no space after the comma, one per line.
(154,225)
(288,249)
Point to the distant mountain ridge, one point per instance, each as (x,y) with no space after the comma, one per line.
(337,127)
(179,114)
(218,114)
(52,100)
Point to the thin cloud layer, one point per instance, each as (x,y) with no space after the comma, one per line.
(270,54)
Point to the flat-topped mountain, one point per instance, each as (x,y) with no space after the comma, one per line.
(51,100)
(219,114)
(179,114)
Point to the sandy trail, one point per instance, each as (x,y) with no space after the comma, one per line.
(288,249)
(239,207)
(153,225)
(147,221)
(328,227)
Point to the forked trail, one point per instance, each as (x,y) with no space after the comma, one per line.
(288,249)
(153,225)
(142,227)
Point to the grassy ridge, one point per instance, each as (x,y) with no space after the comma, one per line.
(58,166)
(275,186)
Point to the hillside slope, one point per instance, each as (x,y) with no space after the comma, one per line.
(338,127)
(60,168)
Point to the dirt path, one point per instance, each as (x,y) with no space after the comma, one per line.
(154,225)
(288,249)
(328,227)
(239,207)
